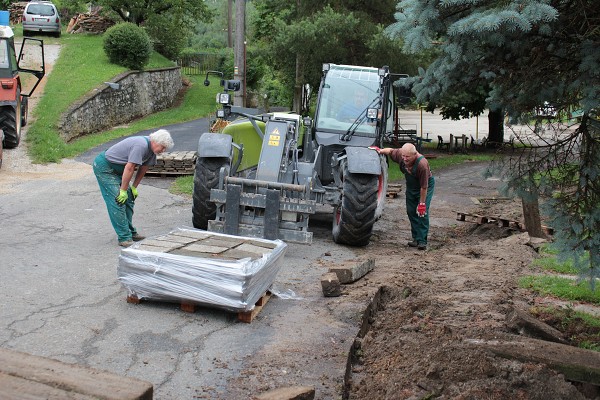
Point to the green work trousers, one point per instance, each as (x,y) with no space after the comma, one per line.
(109,179)
(419,226)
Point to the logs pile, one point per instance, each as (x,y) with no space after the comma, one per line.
(174,163)
(89,23)
(16,12)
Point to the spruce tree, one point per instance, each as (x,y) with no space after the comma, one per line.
(521,56)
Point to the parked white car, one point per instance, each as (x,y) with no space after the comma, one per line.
(41,16)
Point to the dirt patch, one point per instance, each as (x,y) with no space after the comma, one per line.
(432,302)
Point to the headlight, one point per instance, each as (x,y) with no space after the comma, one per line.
(372,113)
(223,98)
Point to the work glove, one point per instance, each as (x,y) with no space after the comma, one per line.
(134,192)
(421,209)
(122,197)
(377,149)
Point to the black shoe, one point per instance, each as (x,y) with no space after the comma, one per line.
(412,243)
(137,237)
(422,246)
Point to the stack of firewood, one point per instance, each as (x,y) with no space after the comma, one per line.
(16,12)
(89,23)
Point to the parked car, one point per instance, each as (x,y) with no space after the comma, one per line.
(41,16)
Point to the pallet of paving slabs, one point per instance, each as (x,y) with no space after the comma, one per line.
(193,267)
(175,163)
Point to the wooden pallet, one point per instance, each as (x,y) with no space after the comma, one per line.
(393,190)
(497,220)
(244,316)
(248,316)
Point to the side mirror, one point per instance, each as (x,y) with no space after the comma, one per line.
(233,84)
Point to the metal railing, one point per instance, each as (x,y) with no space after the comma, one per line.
(199,63)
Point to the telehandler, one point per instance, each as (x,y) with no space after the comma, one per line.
(264,175)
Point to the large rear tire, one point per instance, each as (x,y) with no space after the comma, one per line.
(353,221)
(10,123)
(206,177)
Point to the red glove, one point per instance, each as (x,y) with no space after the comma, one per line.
(421,209)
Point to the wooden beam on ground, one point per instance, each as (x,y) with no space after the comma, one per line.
(522,321)
(351,271)
(33,375)
(330,284)
(579,365)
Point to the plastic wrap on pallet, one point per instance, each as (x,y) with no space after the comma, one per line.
(235,285)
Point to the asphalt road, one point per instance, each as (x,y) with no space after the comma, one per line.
(60,297)
(185,136)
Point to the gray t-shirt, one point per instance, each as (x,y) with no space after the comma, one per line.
(134,149)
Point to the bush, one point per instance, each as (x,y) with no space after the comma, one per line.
(128,45)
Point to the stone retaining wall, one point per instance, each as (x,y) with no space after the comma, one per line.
(140,93)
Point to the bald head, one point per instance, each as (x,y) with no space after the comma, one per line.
(409,153)
(409,148)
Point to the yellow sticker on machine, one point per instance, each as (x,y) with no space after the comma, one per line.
(274,138)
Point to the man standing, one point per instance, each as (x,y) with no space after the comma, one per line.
(419,190)
(114,170)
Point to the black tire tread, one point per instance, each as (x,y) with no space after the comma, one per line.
(206,177)
(359,204)
(8,123)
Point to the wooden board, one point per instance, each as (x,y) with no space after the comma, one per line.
(26,376)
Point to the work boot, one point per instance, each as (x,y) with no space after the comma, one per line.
(126,243)
(412,243)
(137,237)
(422,246)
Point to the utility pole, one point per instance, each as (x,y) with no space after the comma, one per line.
(229,15)
(239,60)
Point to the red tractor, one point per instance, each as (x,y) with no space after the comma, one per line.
(16,89)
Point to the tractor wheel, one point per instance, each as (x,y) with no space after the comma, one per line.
(10,122)
(353,220)
(24,111)
(206,178)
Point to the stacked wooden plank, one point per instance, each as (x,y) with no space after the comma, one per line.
(175,163)
(191,266)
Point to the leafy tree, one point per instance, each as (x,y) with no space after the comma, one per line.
(169,22)
(298,37)
(519,56)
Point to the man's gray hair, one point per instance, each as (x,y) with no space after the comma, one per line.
(163,137)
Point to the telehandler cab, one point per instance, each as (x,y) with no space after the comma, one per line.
(264,175)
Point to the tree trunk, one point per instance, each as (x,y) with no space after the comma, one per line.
(496,126)
(531,214)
